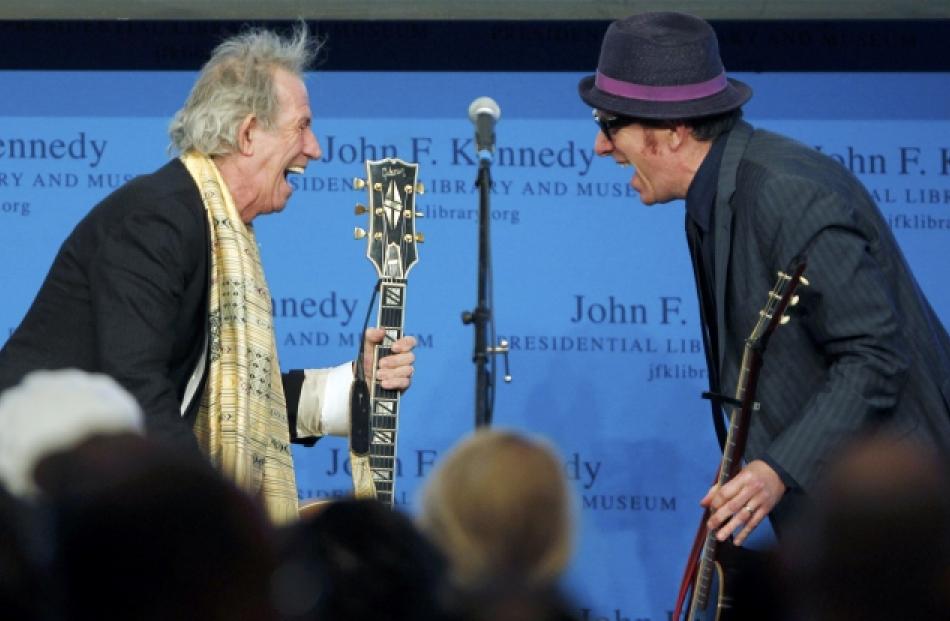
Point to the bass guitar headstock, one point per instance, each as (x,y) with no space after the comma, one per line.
(392,187)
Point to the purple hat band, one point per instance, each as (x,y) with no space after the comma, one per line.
(681,92)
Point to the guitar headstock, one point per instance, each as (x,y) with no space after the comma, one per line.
(781,297)
(392,186)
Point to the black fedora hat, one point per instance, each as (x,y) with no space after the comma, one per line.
(662,66)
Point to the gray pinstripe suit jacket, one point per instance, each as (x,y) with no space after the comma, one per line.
(866,348)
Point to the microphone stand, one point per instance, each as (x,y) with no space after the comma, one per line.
(481,316)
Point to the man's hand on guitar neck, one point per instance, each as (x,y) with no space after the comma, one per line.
(743,502)
(395,370)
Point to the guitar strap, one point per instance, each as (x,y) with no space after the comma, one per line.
(715,399)
(363,486)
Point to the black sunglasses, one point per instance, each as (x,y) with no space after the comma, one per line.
(610,123)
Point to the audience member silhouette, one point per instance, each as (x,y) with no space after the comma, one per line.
(135,532)
(358,560)
(25,593)
(876,543)
(143,534)
(511,600)
(499,508)
(55,410)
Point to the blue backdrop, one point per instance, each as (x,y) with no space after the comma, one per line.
(592,289)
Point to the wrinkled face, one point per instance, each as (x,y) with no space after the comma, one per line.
(284,149)
(646,149)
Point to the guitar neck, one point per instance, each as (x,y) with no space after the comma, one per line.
(384,404)
(731,454)
(739,416)
(392,185)
(781,296)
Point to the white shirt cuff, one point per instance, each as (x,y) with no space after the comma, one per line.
(324,408)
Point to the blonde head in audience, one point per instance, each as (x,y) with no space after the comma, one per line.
(498,505)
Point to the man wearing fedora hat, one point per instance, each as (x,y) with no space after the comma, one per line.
(866,350)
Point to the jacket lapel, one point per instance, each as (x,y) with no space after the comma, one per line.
(735,148)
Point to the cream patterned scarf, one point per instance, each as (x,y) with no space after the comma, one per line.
(242,420)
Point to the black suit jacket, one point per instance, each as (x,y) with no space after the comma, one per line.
(127,296)
(866,348)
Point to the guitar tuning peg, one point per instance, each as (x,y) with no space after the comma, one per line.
(784,320)
(377,236)
(358,184)
(378,187)
(803,281)
(359,233)
(360,209)
(419,214)
(793,301)
(420,188)
(419,237)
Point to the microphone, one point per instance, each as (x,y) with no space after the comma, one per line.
(484,113)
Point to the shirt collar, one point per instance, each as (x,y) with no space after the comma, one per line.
(701,194)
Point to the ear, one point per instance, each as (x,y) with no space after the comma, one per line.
(677,136)
(245,136)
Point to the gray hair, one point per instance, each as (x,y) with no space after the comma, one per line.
(238,80)
(53,411)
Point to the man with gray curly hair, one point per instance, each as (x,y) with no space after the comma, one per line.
(252,84)
(160,286)
(237,80)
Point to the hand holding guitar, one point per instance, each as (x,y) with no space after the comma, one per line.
(394,371)
(743,502)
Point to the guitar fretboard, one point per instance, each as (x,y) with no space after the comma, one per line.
(384,417)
